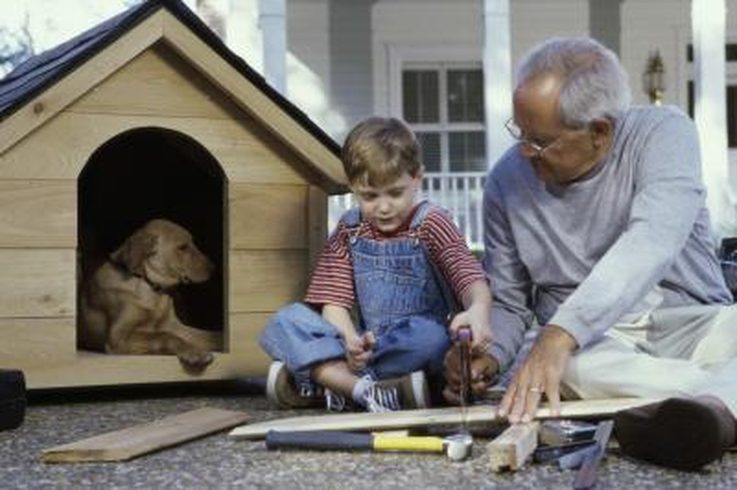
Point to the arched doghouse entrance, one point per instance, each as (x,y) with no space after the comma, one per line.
(148,173)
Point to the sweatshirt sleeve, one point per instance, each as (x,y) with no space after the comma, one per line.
(668,197)
(511,312)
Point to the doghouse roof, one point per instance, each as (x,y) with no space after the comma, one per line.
(26,99)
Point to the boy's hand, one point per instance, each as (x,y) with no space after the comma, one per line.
(359,350)
(483,369)
(479,324)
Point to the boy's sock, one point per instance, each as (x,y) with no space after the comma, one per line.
(361,388)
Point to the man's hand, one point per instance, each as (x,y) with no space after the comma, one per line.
(359,350)
(541,373)
(483,369)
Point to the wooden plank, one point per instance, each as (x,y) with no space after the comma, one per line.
(158,82)
(125,444)
(242,147)
(29,342)
(265,280)
(38,213)
(267,216)
(46,105)
(478,415)
(317,219)
(37,283)
(513,447)
(253,100)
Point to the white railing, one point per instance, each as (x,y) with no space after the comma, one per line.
(458,192)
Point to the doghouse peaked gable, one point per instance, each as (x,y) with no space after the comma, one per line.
(67,79)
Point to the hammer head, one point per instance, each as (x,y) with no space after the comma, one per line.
(458,446)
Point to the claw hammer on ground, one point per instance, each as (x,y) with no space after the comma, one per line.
(456,447)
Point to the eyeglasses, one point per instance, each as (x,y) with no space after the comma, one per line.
(517,134)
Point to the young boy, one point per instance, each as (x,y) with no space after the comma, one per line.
(401,264)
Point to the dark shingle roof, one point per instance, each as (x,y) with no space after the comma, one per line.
(40,72)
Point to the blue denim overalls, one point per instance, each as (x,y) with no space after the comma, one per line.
(399,298)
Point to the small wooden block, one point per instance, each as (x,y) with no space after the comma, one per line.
(125,444)
(511,449)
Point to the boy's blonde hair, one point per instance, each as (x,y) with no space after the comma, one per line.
(378,151)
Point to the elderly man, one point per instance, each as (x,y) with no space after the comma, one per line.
(596,230)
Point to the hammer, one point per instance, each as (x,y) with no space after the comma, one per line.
(456,447)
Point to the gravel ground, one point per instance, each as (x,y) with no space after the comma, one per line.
(220,462)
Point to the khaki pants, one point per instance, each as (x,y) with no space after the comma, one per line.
(682,351)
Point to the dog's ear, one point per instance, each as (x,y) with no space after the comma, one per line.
(134,252)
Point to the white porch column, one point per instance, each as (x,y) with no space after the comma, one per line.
(497,77)
(708,19)
(272,21)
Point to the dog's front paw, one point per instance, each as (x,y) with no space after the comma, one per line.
(195,360)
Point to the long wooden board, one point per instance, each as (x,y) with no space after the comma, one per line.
(125,444)
(477,415)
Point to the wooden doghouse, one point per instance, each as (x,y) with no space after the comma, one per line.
(150,115)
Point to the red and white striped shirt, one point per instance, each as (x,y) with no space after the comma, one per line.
(332,279)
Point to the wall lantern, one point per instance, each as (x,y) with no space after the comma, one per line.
(654,78)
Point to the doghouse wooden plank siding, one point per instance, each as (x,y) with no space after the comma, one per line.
(37,282)
(277,211)
(262,281)
(145,84)
(38,213)
(45,338)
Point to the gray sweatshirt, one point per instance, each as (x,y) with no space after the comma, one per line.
(632,236)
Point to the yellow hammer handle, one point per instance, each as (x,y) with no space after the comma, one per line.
(417,444)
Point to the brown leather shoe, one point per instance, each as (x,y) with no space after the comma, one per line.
(680,433)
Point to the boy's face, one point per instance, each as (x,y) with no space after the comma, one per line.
(388,206)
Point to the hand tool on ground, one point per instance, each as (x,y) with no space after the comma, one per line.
(544,454)
(456,447)
(586,475)
(563,431)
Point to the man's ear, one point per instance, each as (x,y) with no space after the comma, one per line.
(602,131)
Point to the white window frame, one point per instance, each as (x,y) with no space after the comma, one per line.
(433,58)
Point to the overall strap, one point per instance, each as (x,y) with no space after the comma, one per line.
(351,218)
(423,210)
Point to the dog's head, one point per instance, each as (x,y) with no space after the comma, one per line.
(163,253)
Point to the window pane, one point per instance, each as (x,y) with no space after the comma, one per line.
(465,96)
(467,152)
(420,96)
(430,144)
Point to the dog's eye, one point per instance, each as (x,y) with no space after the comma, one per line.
(183,247)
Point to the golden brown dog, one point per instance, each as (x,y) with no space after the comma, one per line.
(124,306)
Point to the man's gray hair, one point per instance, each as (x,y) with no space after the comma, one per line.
(595,85)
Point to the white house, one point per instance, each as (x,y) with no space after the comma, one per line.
(435,63)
